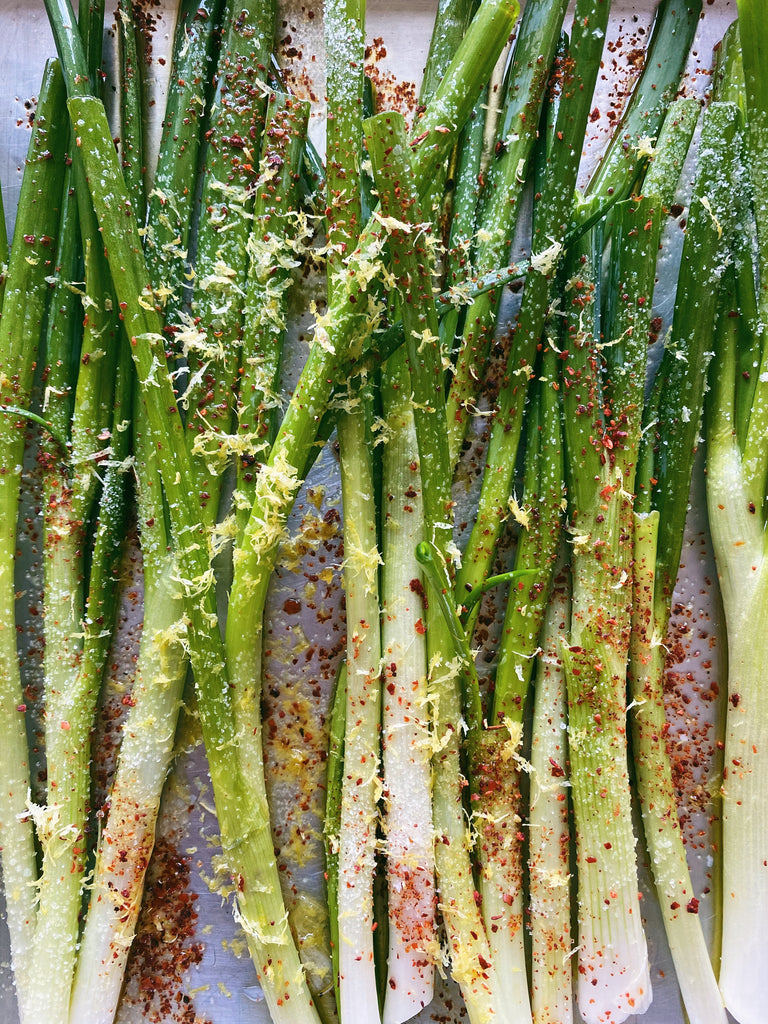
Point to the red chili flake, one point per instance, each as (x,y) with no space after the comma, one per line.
(555,770)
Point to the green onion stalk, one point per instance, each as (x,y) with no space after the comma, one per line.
(127,838)
(166,238)
(671,38)
(496,800)
(462,221)
(665,465)
(25,307)
(471,964)
(552,212)
(517,131)
(603,383)
(411,894)
(729,86)
(79,598)
(131,114)
(452,19)
(405,729)
(736,498)
(278,236)
(212,342)
(238,786)
(128,831)
(73,682)
(360,782)
(549,825)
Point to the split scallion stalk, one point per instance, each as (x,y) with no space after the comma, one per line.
(549,827)
(358,819)
(405,726)
(412,931)
(517,131)
(358,999)
(602,428)
(737,468)
(169,217)
(729,86)
(471,962)
(231,163)
(274,247)
(77,597)
(539,517)
(143,764)
(497,806)
(237,780)
(25,307)
(551,216)
(663,482)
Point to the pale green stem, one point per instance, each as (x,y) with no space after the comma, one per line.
(739,541)
(677,899)
(360,780)
(31,260)
(549,828)
(127,839)
(406,742)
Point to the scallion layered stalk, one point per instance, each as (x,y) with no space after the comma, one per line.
(602,427)
(517,131)
(127,837)
(551,216)
(665,466)
(736,494)
(358,820)
(25,309)
(471,958)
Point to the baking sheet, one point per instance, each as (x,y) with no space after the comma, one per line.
(207,974)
